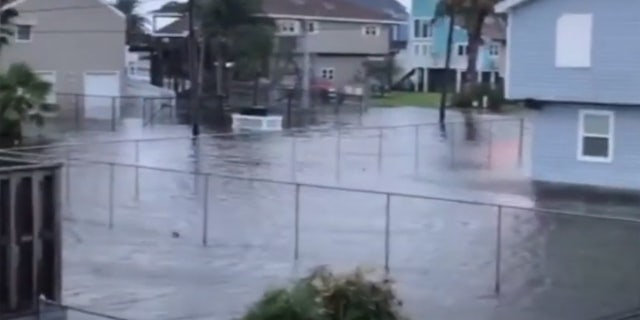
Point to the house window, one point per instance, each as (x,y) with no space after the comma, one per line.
(574,40)
(327,73)
(288,27)
(425,49)
(416,49)
(23,33)
(312,27)
(595,134)
(422,28)
(462,49)
(494,50)
(371,30)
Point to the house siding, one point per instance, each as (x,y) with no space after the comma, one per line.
(343,37)
(425,9)
(611,77)
(555,143)
(70,42)
(347,68)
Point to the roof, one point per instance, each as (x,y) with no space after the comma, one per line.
(338,10)
(328,10)
(506,5)
(391,7)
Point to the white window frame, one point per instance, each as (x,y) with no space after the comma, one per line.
(574,40)
(582,134)
(288,27)
(494,50)
(315,25)
(421,22)
(329,71)
(367,28)
(426,49)
(18,40)
(465,50)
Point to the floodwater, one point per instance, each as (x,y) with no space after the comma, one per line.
(138,253)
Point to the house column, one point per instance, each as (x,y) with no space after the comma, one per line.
(493,80)
(425,79)
(458,80)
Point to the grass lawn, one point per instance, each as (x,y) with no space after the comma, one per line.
(425,99)
(417,99)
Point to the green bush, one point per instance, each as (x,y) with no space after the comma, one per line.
(326,296)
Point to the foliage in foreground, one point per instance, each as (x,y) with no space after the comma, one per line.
(22,96)
(327,296)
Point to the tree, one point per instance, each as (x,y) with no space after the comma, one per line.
(136,24)
(22,98)
(471,15)
(233,32)
(6,27)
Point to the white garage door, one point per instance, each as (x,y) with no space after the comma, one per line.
(102,91)
(49,76)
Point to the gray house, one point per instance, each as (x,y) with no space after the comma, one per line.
(341,35)
(77,45)
(577,68)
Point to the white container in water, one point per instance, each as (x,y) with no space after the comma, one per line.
(259,123)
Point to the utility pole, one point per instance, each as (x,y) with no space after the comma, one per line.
(306,64)
(447,68)
(193,72)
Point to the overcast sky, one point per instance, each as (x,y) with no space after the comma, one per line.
(146,6)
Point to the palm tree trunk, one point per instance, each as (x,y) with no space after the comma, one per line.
(473,48)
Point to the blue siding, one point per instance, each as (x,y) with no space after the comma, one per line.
(426,9)
(613,76)
(555,148)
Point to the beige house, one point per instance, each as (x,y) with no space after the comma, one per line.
(77,45)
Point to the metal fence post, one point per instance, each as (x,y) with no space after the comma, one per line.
(490,147)
(452,138)
(296,234)
(205,212)
(111,193)
(416,151)
(137,174)
(497,285)
(113,114)
(293,157)
(68,179)
(77,111)
(520,142)
(387,232)
(380,136)
(338,153)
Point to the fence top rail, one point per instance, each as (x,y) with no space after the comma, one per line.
(248,133)
(498,206)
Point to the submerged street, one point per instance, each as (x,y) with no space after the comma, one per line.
(136,252)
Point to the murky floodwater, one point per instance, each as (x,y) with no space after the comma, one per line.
(442,253)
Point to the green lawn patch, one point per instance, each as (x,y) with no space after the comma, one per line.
(403,99)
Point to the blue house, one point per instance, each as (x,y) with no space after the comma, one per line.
(427,49)
(575,60)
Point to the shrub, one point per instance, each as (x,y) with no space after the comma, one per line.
(326,296)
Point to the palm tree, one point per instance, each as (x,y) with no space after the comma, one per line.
(6,28)
(471,15)
(232,31)
(22,97)
(136,23)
